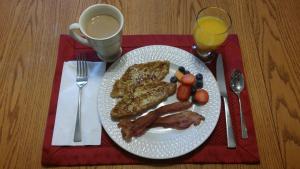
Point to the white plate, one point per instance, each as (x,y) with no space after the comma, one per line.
(161,143)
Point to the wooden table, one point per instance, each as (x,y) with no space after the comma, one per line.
(269,35)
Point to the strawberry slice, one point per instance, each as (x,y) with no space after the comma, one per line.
(188,79)
(183,92)
(201,96)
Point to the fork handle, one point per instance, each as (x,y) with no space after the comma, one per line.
(77,135)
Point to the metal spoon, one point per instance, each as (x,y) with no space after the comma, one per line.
(237,86)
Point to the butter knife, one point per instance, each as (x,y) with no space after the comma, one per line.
(222,86)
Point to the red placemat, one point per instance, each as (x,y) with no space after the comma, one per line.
(214,150)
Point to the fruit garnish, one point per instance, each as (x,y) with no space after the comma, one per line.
(199,76)
(181,69)
(188,79)
(183,92)
(199,84)
(187,72)
(201,96)
(173,79)
(179,75)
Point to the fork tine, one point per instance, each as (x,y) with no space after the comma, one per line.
(81,66)
(77,67)
(85,67)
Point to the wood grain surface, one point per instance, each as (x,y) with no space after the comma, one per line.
(269,35)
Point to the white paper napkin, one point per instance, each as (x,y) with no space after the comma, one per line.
(65,119)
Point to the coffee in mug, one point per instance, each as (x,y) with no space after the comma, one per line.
(102,26)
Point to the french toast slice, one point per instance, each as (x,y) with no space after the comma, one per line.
(144,97)
(138,74)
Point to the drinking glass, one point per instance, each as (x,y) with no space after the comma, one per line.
(210,31)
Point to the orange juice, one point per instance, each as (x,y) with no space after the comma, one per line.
(210,32)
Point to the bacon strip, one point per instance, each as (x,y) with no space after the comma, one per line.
(179,121)
(139,126)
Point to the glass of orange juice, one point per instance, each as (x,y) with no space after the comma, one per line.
(210,31)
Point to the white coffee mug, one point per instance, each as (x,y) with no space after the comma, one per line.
(109,48)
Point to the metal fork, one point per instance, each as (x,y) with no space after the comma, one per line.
(81,81)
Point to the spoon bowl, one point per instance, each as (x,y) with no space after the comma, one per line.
(237,81)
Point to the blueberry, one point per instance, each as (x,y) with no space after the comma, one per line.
(199,76)
(193,90)
(173,79)
(181,69)
(199,84)
(187,72)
